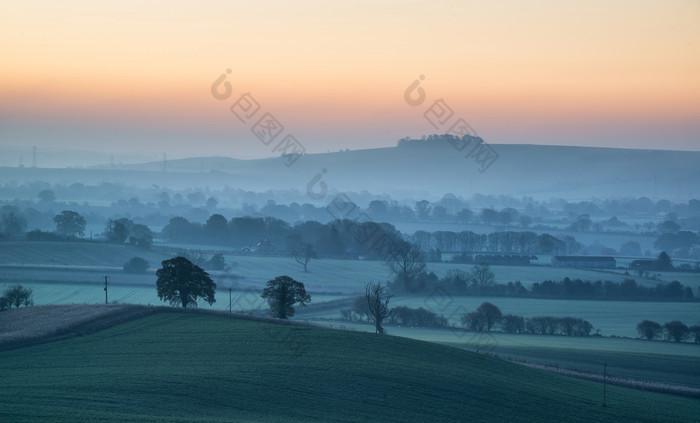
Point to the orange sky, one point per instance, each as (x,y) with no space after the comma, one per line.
(621,73)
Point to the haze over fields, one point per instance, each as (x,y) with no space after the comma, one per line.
(372,210)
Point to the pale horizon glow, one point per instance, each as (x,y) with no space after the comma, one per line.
(123,77)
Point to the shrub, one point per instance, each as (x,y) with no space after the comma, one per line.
(136,265)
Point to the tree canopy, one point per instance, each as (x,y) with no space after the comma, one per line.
(70,223)
(16,295)
(282,293)
(182,282)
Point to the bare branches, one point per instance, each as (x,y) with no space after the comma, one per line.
(378,303)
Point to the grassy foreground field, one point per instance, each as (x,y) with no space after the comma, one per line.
(188,367)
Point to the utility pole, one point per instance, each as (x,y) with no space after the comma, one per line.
(230,304)
(106,277)
(605,380)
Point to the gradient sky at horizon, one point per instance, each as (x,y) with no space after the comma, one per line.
(130,77)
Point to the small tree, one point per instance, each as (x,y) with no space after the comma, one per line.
(136,265)
(482,277)
(377,297)
(117,231)
(513,324)
(216,262)
(695,331)
(282,293)
(46,196)
(676,331)
(474,321)
(69,223)
(12,223)
(492,314)
(358,310)
(17,295)
(303,253)
(649,330)
(182,282)
(407,263)
(663,262)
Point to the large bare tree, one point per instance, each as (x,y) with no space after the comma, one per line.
(378,297)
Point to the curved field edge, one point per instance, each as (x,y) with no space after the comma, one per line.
(173,366)
(30,325)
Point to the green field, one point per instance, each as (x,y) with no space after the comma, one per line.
(636,359)
(184,367)
(65,279)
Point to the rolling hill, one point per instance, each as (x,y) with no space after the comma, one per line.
(176,367)
(428,170)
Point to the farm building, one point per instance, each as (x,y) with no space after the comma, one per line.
(601,262)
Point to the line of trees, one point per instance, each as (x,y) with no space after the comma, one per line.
(525,242)
(671,331)
(488,316)
(481,281)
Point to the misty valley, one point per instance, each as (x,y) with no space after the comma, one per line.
(583,290)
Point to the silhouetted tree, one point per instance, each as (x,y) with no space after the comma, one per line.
(663,262)
(513,324)
(378,298)
(303,253)
(117,231)
(676,331)
(12,223)
(695,331)
(46,196)
(491,313)
(282,293)
(474,321)
(136,265)
(69,223)
(216,262)
(182,282)
(17,295)
(407,264)
(482,277)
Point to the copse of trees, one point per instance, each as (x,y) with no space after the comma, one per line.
(480,281)
(124,230)
(16,296)
(649,330)
(416,317)
(549,325)
(671,331)
(676,331)
(338,238)
(488,316)
(485,316)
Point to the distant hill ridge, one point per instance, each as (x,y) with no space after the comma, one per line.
(427,169)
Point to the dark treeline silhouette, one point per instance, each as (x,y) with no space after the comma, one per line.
(342,237)
(339,238)
(495,242)
(462,283)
